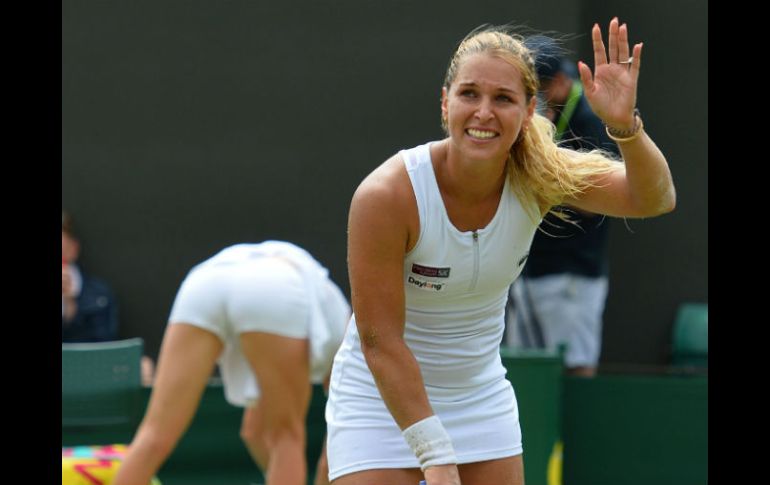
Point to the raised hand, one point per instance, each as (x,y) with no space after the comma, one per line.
(611,89)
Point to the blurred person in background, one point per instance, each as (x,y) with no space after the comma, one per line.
(269,315)
(89,311)
(558,300)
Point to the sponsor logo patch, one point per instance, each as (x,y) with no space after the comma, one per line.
(426,285)
(430,271)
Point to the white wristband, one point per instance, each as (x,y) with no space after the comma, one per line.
(430,443)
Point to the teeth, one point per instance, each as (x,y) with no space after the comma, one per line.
(480,133)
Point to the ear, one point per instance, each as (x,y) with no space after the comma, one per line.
(444,101)
(531,106)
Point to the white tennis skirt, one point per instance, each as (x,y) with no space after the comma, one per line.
(482,421)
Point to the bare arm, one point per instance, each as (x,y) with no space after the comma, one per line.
(645,187)
(377,240)
(380,229)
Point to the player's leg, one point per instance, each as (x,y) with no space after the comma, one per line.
(187,357)
(252,434)
(505,471)
(281,365)
(406,476)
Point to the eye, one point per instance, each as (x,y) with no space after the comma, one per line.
(504,98)
(468,93)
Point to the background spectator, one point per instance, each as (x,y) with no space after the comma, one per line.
(89,311)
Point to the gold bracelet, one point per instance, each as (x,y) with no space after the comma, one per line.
(627,135)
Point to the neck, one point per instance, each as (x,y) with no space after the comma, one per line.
(465,179)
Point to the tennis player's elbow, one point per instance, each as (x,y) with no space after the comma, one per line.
(378,353)
(662,202)
(670,201)
(666,203)
(371,348)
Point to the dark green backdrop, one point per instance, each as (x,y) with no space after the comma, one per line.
(191,125)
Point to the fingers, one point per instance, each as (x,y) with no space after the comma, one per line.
(613,41)
(637,61)
(618,48)
(623,43)
(585,76)
(600,54)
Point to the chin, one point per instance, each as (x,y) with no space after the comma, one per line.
(488,149)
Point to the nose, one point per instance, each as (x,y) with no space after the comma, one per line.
(484,110)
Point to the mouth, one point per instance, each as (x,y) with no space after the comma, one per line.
(481,134)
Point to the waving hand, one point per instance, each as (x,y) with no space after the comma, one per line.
(611,88)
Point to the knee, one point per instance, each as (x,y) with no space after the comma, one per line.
(250,435)
(155,442)
(283,430)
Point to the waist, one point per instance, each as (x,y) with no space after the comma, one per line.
(450,356)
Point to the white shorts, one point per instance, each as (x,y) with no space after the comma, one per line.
(559,309)
(258,295)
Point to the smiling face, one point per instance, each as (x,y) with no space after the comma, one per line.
(485,106)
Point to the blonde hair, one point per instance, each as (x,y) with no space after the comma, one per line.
(540,171)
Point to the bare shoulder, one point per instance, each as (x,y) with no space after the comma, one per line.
(387,181)
(386,188)
(384,203)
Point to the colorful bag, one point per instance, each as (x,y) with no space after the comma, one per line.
(92,465)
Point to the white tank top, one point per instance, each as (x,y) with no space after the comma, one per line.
(456,285)
(456,282)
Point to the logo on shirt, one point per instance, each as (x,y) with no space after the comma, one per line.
(429,271)
(425,285)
